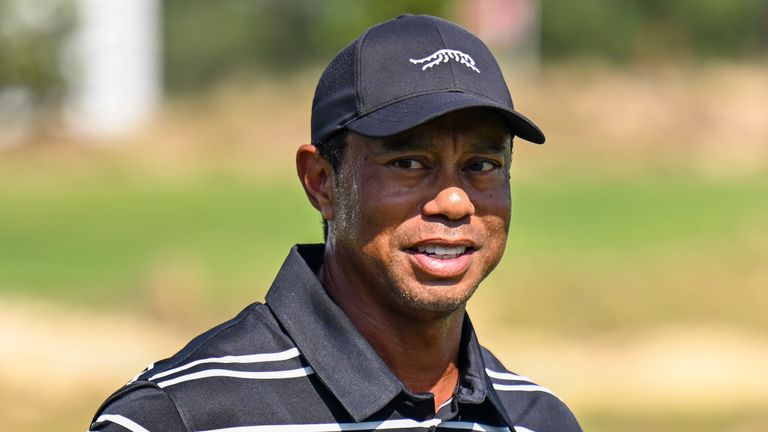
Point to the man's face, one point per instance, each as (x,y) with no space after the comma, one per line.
(422,217)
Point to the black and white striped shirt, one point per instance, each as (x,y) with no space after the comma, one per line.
(296,363)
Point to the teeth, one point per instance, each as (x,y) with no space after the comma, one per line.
(442,251)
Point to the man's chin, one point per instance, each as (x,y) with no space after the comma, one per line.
(438,298)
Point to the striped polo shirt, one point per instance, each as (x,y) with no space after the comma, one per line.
(297,363)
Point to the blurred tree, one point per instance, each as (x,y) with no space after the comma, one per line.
(206,41)
(720,28)
(596,28)
(636,30)
(32,37)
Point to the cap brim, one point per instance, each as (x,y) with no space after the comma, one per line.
(409,113)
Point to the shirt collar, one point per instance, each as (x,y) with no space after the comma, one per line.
(340,356)
(475,385)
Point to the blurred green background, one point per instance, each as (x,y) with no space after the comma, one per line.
(635,282)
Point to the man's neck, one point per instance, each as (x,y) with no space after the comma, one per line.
(421,350)
(424,357)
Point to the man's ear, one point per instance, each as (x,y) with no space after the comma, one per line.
(317,176)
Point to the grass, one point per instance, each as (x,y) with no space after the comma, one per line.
(629,249)
(601,253)
(747,421)
(94,241)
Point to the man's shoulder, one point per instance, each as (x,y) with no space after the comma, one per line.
(527,403)
(137,406)
(166,394)
(254,331)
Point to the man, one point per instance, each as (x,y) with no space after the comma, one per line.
(412,128)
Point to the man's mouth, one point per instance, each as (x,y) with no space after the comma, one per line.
(442,252)
(442,260)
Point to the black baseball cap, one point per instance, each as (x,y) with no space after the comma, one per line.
(404,72)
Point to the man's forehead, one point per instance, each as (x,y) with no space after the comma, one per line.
(480,127)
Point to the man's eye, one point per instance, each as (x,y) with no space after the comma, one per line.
(408,164)
(482,166)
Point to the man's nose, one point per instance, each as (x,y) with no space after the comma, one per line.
(452,203)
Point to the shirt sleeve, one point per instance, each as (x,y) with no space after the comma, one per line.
(138,407)
(549,413)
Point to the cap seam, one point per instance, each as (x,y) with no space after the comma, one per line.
(358,69)
(442,40)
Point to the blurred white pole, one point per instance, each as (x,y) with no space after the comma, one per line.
(114,69)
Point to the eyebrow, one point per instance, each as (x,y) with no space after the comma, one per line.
(406,143)
(494,146)
(403,143)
